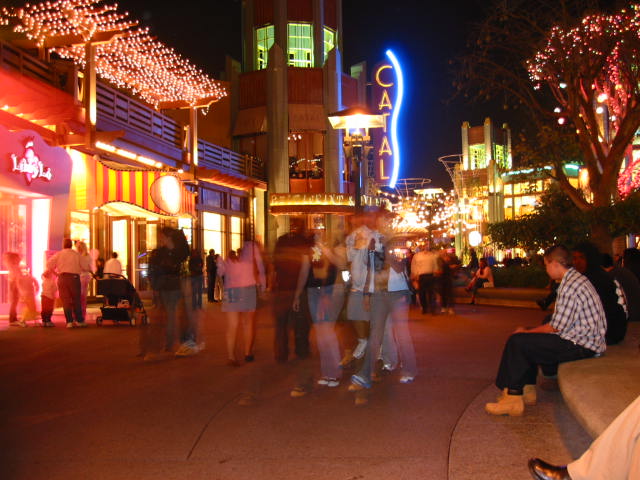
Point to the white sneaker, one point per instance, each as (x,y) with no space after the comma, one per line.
(329,382)
(70,325)
(359,351)
(407,379)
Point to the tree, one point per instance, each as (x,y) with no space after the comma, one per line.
(575,74)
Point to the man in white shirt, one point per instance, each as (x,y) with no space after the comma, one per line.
(424,267)
(113,265)
(66,263)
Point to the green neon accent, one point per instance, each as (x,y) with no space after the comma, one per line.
(329,37)
(477,156)
(265,36)
(300,41)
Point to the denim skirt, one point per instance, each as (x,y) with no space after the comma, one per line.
(239,299)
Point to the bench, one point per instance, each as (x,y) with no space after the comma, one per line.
(502,296)
(597,390)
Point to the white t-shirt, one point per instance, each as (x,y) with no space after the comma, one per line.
(114,266)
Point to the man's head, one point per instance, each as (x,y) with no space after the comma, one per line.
(212,252)
(557,260)
(67,243)
(114,254)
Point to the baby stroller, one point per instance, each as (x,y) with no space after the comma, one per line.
(121,301)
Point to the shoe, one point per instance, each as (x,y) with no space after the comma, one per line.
(233,363)
(329,382)
(387,367)
(451,311)
(529,395)
(359,351)
(358,383)
(48,324)
(347,360)
(541,470)
(249,358)
(512,405)
(298,392)
(407,379)
(81,325)
(187,349)
(70,325)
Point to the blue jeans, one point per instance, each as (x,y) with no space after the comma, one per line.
(168,300)
(394,305)
(323,310)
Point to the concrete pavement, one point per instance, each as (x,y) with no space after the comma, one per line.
(79,404)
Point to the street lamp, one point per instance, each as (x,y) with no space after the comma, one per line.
(356,121)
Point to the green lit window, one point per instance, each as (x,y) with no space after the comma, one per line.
(501,157)
(477,156)
(264,40)
(329,42)
(300,45)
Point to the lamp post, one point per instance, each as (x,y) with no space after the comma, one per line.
(356,121)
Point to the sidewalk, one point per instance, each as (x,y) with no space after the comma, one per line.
(79,404)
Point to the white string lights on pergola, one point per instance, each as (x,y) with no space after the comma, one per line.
(133,59)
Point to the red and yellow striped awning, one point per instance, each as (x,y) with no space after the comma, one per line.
(134,187)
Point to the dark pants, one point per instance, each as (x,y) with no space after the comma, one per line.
(286,319)
(14,296)
(196,291)
(211,285)
(446,291)
(523,353)
(426,291)
(69,290)
(47,308)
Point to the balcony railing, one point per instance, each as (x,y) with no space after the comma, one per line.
(132,115)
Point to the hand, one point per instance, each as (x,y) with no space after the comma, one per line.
(296,304)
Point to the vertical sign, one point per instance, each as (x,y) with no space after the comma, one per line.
(388,92)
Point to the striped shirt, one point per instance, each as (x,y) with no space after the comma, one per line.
(579,316)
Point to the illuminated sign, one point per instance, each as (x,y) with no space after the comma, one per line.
(388,93)
(166,193)
(29,164)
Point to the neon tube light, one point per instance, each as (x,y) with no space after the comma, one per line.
(394,119)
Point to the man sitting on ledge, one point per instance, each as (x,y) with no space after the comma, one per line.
(576,330)
(614,454)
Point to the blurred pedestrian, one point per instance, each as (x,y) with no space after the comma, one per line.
(48,297)
(244,279)
(424,270)
(287,263)
(27,289)
(446,268)
(12,264)
(212,275)
(196,277)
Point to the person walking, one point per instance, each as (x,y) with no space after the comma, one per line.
(244,278)
(424,268)
(12,264)
(48,297)
(66,263)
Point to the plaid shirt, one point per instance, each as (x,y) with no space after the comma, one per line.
(578,315)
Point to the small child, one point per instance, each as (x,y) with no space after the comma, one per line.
(27,289)
(48,297)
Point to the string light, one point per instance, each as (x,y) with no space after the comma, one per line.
(133,59)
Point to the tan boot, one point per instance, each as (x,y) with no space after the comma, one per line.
(511,405)
(529,396)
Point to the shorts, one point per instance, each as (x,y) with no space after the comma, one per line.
(239,299)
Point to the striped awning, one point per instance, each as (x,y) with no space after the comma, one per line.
(134,187)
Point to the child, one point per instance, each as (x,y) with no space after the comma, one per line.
(47,297)
(27,289)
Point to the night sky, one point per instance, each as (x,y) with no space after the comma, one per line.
(424,36)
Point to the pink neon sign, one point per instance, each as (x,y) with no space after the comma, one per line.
(29,164)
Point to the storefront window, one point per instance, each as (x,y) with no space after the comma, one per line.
(185,224)
(120,241)
(213,232)
(236,233)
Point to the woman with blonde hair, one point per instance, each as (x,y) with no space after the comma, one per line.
(86,267)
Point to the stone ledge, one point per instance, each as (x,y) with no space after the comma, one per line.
(503,296)
(597,390)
